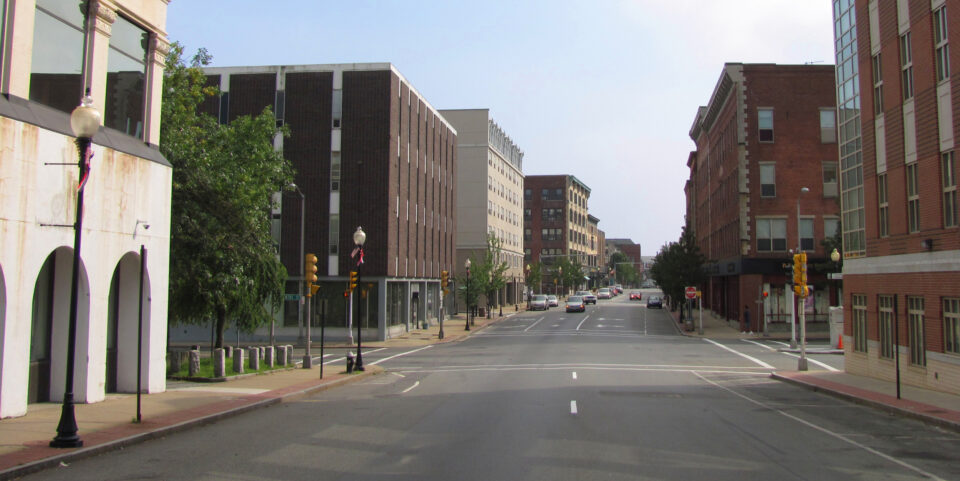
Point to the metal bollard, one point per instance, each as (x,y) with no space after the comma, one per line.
(349,362)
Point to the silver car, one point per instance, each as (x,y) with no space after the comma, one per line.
(538,303)
(553,301)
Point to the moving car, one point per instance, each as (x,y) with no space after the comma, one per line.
(538,303)
(604,293)
(588,297)
(552,301)
(636,296)
(576,304)
(654,301)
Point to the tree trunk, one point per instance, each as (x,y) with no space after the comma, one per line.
(221,327)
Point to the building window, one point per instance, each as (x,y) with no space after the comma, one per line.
(830,179)
(527,214)
(334,171)
(860,323)
(771,235)
(57,63)
(126,74)
(906,67)
(337,108)
(884,210)
(915,319)
(951,325)
(948,173)
(334,233)
(768,180)
(886,326)
(828,126)
(831,227)
(527,194)
(806,235)
(765,124)
(913,199)
(942,49)
(877,86)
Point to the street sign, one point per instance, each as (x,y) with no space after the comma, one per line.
(691,292)
(291,297)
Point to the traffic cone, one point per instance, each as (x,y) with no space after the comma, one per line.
(840,342)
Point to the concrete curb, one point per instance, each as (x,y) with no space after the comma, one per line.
(81,453)
(926,418)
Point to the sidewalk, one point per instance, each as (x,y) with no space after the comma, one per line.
(108,425)
(926,405)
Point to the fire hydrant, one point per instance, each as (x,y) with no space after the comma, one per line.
(349,362)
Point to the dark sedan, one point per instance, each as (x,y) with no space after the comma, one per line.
(576,304)
(654,301)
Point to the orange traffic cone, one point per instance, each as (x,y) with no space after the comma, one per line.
(840,342)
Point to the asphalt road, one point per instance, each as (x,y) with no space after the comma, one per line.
(613,393)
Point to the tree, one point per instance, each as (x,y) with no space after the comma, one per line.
(678,265)
(534,277)
(491,270)
(223,263)
(572,275)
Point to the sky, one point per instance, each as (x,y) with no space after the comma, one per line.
(600,89)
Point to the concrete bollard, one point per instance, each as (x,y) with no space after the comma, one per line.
(269,357)
(282,355)
(263,352)
(238,355)
(229,351)
(176,362)
(289,348)
(219,363)
(194,362)
(254,358)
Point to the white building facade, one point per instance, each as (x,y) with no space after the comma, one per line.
(489,196)
(50,53)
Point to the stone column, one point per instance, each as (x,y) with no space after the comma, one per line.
(219,363)
(176,362)
(238,355)
(194,362)
(269,357)
(254,358)
(282,355)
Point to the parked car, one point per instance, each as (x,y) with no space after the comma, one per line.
(538,302)
(654,301)
(604,293)
(552,300)
(636,296)
(576,304)
(588,297)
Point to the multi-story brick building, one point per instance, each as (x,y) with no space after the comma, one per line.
(489,201)
(901,248)
(555,222)
(767,133)
(115,50)
(595,251)
(369,151)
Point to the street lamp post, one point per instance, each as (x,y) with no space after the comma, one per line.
(359,237)
(802,362)
(527,282)
(85,122)
(560,275)
(466,294)
(296,189)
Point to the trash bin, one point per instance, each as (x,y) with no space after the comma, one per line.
(836,326)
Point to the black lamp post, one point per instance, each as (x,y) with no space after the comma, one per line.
(527,282)
(466,294)
(85,122)
(359,237)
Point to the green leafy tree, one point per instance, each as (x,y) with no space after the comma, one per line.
(491,270)
(535,277)
(223,264)
(470,287)
(572,274)
(678,265)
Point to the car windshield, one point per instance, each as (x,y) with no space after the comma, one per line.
(604,290)
(551,297)
(574,300)
(539,298)
(654,298)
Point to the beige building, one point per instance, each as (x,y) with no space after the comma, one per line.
(51,52)
(489,196)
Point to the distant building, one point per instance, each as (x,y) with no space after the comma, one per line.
(489,198)
(370,152)
(127,192)
(633,252)
(898,131)
(555,223)
(767,133)
(594,267)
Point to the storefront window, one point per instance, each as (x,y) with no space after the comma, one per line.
(127,67)
(57,63)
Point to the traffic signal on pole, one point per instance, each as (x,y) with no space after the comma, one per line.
(443,279)
(353,281)
(797,270)
(310,272)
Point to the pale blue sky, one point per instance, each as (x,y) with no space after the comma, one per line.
(604,90)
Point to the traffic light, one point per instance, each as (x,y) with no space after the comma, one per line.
(310,272)
(800,275)
(443,279)
(353,281)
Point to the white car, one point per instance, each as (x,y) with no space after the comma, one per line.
(604,293)
(538,303)
(588,297)
(553,301)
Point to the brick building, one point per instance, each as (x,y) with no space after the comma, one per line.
(555,223)
(632,250)
(901,270)
(767,132)
(489,198)
(368,151)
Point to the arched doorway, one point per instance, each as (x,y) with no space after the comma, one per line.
(49,328)
(122,323)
